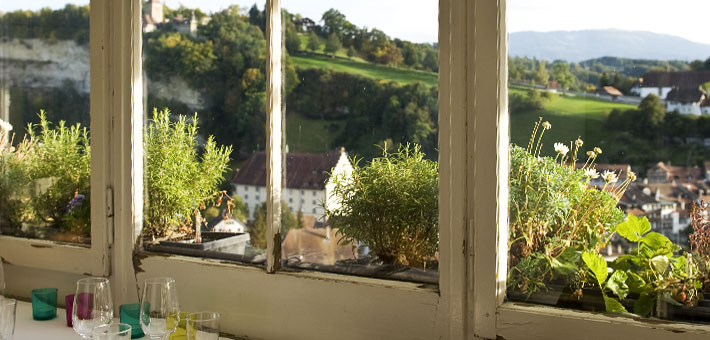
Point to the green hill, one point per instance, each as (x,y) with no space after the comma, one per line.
(365,69)
(571,117)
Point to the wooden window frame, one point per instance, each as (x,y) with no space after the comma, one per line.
(73,258)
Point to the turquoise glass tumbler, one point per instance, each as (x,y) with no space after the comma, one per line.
(44,303)
(130,314)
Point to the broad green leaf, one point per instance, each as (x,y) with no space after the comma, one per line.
(644,305)
(656,241)
(633,228)
(613,306)
(597,264)
(660,263)
(563,268)
(571,255)
(617,284)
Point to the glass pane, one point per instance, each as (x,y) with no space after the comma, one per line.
(361,107)
(609,157)
(205,120)
(44,120)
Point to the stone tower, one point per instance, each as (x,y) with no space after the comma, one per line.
(155,10)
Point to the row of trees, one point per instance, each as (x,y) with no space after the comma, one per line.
(338,33)
(588,75)
(68,23)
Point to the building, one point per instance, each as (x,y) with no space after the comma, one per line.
(661,83)
(686,101)
(552,86)
(306,186)
(609,91)
(667,173)
(153,15)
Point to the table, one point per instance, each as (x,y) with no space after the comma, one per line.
(27,328)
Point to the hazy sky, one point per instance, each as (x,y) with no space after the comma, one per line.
(416,20)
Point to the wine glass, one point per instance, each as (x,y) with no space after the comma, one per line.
(159,311)
(203,326)
(92,305)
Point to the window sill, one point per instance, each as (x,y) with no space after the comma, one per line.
(342,307)
(518,320)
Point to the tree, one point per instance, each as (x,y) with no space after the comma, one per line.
(652,110)
(562,74)
(293,42)
(299,218)
(604,80)
(697,65)
(313,42)
(335,22)
(332,45)
(541,75)
(257,232)
(706,64)
(351,52)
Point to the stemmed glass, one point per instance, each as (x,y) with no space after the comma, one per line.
(92,306)
(159,311)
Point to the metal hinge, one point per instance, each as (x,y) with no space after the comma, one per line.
(109,215)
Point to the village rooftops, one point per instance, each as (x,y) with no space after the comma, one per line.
(610,91)
(685,95)
(688,79)
(303,170)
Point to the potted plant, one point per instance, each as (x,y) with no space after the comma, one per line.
(180,182)
(556,216)
(390,205)
(45,182)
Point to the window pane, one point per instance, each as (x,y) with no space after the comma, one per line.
(609,156)
(44,120)
(358,85)
(204,134)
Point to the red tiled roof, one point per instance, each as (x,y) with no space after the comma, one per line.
(688,79)
(303,170)
(610,90)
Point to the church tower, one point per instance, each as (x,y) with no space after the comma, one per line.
(155,11)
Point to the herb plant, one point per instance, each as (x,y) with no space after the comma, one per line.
(45,179)
(555,215)
(391,205)
(178,179)
(652,270)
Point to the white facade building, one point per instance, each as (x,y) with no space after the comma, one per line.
(308,187)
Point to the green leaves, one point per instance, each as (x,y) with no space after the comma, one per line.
(633,228)
(597,264)
(660,263)
(613,306)
(644,305)
(617,284)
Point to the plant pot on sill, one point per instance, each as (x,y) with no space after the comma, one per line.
(222,242)
(544,297)
(699,313)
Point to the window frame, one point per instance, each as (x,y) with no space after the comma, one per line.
(63,256)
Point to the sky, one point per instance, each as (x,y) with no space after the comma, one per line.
(416,20)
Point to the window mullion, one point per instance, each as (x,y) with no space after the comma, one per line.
(274,135)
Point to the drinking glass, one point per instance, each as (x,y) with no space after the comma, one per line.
(44,303)
(160,313)
(92,305)
(116,331)
(8,308)
(203,326)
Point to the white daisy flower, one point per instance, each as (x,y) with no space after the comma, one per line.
(561,149)
(591,173)
(610,177)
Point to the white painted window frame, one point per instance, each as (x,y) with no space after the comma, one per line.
(473,142)
(66,257)
(489,316)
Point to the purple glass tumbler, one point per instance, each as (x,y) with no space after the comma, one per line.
(69,300)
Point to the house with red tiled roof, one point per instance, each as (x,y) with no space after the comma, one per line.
(306,184)
(661,83)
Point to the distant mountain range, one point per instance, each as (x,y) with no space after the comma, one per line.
(575,46)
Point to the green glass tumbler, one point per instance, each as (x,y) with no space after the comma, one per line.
(130,314)
(44,303)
